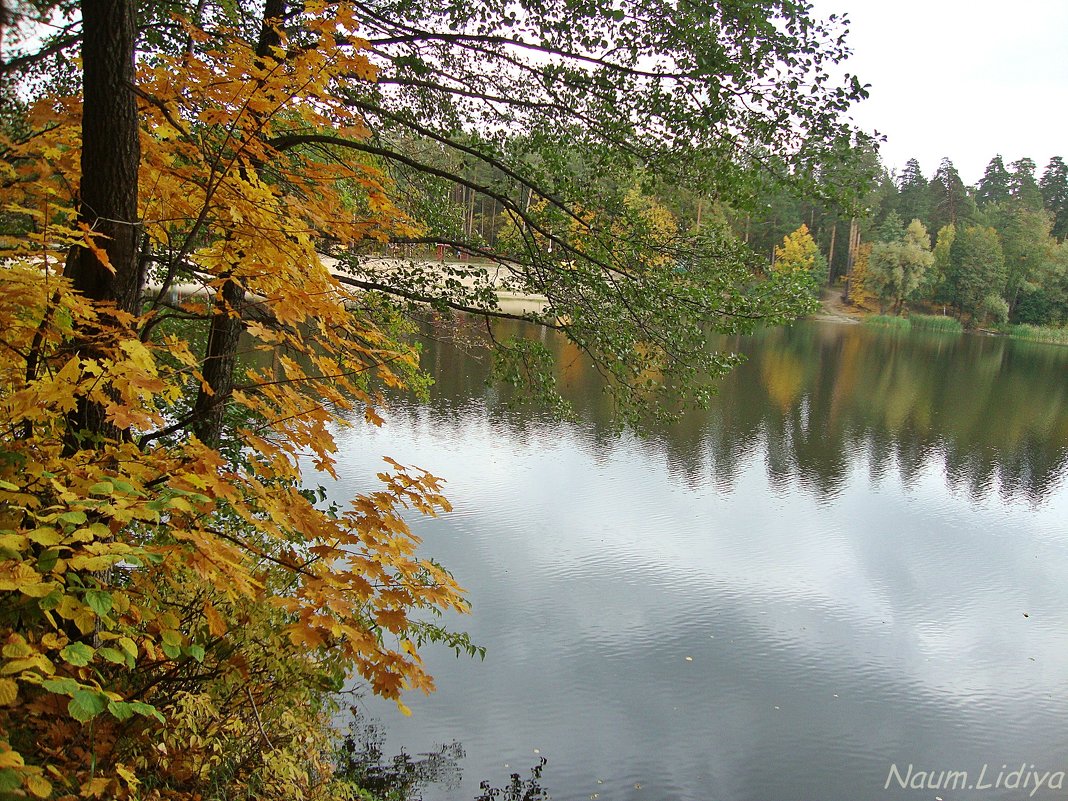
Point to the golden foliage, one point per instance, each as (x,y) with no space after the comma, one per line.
(860,293)
(146,578)
(797,253)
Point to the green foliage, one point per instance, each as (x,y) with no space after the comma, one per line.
(913,199)
(1023,188)
(891,229)
(993,187)
(896,269)
(951,204)
(993,309)
(1054,186)
(1024,232)
(936,322)
(1036,333)
(976,269)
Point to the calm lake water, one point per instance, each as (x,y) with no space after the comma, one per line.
(855,562)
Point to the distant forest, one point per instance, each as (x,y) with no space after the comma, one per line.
(991,253)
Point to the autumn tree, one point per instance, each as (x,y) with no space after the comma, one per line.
(861,293)
(797,253)
(162,557)
(799,256)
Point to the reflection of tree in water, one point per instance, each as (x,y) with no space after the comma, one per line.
(517,789)
(360,759)
(984,411)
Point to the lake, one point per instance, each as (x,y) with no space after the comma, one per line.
(845,580)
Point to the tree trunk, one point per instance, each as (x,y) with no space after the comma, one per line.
(209,409)
(111,153)
(107,197)
(830,254)
(851,255)
(218,368)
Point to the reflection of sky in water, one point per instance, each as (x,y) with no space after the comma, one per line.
(830,633)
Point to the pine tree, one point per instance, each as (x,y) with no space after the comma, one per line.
(913,201)
(1022,184)
(994,185)
(950,201)
(1054,186)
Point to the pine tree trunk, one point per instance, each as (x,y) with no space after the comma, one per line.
(107,198)
(111,153)
(830,254)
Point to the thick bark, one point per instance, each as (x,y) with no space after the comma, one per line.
(107,201)
(111,153)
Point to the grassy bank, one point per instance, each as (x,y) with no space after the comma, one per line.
(936,322)
(1036,333)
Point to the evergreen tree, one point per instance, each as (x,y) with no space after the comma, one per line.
(913,201)
(891,228)
(1022,184)
(950,201)
(994,185)
(1054,186)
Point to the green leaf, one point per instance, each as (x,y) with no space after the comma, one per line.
(78,654)
(9,780)
(102,488)
(149,711)
(172,651)
(50,601)
(121,710)
(99,601)
(47,560)
(126,487)
(76,518)
(86,705)
(112,655)
(61,686)
(196,651)
(171,637)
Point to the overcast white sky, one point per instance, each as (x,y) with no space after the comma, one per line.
(961,78)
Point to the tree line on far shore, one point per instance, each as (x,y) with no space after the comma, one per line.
(991,253)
